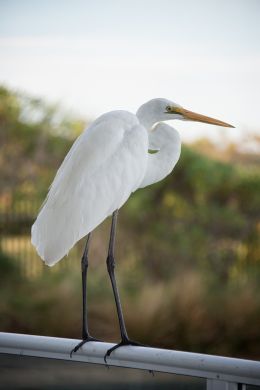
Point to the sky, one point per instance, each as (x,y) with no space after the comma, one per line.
(97,56)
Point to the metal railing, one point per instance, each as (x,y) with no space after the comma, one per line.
(220,372)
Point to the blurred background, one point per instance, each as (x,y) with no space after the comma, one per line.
(188,248)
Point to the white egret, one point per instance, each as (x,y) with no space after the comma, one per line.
(111,159)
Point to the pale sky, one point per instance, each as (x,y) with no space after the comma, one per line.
(96,56)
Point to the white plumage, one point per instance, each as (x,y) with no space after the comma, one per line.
(106,163)
(103,167)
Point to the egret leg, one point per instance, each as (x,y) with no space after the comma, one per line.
(84,269)
(111,271)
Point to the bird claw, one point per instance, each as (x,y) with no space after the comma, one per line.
(121,344)
(79,345)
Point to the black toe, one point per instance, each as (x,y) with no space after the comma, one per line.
(79,345)
(121,344)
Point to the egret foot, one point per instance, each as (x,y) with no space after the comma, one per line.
(79,345)
(122,343)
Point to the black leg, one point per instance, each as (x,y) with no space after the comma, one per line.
(111,270)
(84,269)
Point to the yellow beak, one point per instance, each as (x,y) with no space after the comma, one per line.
(192,116)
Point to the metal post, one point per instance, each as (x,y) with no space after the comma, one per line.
(215,384)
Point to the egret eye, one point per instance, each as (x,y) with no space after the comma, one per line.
(168,109)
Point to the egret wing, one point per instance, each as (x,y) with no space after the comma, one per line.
(105,164)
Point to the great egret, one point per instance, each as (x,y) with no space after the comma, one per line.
(111,159)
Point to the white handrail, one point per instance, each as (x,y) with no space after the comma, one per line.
(212,367)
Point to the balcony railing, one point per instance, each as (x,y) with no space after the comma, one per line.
(220,372)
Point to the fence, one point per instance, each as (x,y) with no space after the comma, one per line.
(16,220)
(221,373)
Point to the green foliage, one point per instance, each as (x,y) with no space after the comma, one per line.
(8,269)
(201,216)
(34,138)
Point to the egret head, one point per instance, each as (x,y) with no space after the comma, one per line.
(160,109)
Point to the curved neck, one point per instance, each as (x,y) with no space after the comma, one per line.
(167,140)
